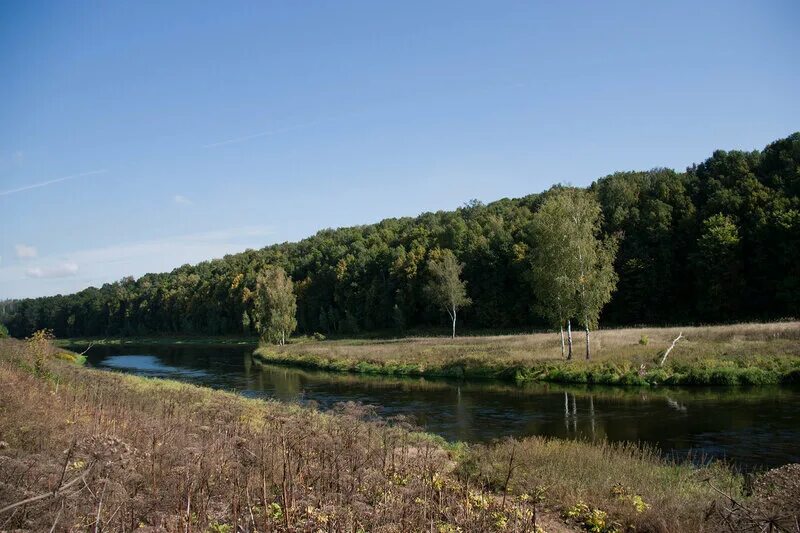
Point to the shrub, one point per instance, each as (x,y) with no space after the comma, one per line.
(757,376)
(724,376)
(657,376)
(791,377)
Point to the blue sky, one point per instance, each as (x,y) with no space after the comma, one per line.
(137,136)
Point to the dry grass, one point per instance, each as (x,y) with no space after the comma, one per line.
(635,495)
(528,356)
(779,338)
(114,452)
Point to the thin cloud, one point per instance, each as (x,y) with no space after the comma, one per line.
(182,200)
(50,182)
(110,263)
(25,252)
(62,270)
(268,133)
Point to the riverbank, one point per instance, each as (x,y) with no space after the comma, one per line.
(741,354)
(126,451)
(160,341)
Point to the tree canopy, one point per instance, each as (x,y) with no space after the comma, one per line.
(673,228)
(274,305)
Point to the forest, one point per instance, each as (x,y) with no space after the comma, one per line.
(717,243)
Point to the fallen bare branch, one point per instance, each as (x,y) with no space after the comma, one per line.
(91,343)
(664,358)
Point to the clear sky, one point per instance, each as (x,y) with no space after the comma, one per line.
(139,136)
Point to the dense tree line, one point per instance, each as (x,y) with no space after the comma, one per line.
(718,242)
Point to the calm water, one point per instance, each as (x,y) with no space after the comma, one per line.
(754,428)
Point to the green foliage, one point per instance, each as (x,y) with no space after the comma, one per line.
(593,279)
(40,345)
(3,331)
(274,305)
(554,270)
(731,222)
(445,288)
(275,512)
(594,520)
(719,262)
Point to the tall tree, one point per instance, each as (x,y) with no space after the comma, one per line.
(274,305)
(593,257)
(719,264)
(446,288)
(552,268)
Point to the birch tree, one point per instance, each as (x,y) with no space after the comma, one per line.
(274,306)
(553,269)
(446,288)
(593,257)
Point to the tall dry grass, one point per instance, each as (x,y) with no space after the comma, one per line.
(724,355)
(91,450)
(632,484)
(779,338)
(88,450)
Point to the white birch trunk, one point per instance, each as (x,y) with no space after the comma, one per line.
(569,339)
(561,328)
(587,340)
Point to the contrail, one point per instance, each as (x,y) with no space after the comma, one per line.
(262,134)
(50,182)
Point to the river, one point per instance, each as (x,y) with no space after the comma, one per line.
(753,428)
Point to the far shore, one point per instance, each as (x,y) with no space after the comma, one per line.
(740,354)
(161,340)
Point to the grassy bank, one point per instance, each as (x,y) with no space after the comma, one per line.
(411,385)
(160,340)
(742,354)
(83,448)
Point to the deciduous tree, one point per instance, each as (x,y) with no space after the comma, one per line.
(446,288)
(594,258)
(553,270)
(274,305)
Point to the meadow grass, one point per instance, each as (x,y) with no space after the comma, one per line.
(118,452)
(741,354)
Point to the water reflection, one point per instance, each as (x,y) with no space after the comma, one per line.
(758,426)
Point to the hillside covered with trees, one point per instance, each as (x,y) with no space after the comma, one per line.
(719,242)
